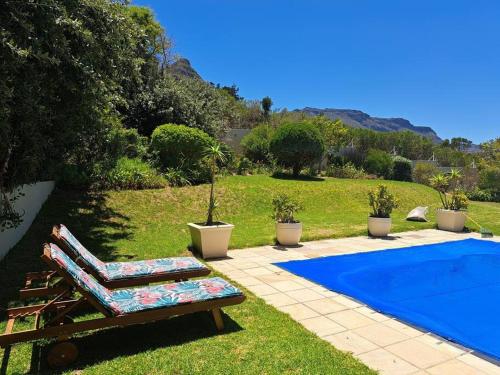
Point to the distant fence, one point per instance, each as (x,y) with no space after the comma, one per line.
(34,196)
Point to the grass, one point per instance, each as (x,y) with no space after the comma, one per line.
(127,225)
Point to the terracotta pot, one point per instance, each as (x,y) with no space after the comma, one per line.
(451,220)
(211,241)
(288,234)
(379,226)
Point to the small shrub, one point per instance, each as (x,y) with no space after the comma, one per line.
(126,142)
(256,143)
(401,169)
(133,174)
(176,177)
(179,146)
(244,166)
(297,145)
(482,195)
(284,209)
(423,172)
(489,178)
(452,197)
(382,202)
(347,170)
(380,163)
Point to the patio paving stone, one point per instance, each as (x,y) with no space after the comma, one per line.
(381,342)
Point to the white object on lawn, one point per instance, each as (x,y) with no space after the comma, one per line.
(418,214)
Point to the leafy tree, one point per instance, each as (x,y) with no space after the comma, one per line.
(63,66)
(297,145)
(460,143)
(177,100)
(266,103)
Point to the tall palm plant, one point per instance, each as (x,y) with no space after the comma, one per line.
(214,155)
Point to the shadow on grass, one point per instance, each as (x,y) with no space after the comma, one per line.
(109,344)
(86,215)
(285,176)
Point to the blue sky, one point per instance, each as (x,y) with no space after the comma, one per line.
(434,62)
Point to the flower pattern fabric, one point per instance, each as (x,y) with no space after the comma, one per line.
(83,279)
(125,270)
(128,270)
(126,301)
(79,251)
(168,295)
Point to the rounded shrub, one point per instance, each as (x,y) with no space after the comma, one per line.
(379,162)
(401,169)
(297,145)
(179,146)
(256,143)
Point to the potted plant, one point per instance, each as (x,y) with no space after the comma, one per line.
(451,216)
(211,238)
(288,230)
(382,203)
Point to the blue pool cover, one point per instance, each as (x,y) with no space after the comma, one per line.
(451,289)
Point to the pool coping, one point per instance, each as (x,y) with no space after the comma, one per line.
(381,342)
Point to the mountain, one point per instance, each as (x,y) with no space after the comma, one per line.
(182,67)
(358,119)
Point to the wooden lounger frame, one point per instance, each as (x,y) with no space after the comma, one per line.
(134,281)
(61,325)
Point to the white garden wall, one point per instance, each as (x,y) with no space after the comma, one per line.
(34,197)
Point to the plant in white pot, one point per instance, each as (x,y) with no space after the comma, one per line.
(211,238)
(382,203)
(451,216)
(288,230)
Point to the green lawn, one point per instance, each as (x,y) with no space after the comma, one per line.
(147,224)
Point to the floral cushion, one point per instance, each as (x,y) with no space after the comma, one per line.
(167,295)
(126,301)
(84,280)
(128,270)
(79,251)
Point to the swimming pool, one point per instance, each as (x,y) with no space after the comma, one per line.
(451,289)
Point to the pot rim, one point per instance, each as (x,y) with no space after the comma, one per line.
(221,225)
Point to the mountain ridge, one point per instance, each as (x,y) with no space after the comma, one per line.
(359,119)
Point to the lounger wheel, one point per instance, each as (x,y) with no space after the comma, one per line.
(62,354)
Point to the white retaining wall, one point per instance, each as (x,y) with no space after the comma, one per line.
(34,197)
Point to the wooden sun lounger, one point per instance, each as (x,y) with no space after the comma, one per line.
(45,286)
(61,326)
(127,282)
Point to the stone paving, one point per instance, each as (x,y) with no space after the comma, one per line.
(381,342)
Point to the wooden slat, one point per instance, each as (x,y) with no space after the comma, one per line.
(10,325)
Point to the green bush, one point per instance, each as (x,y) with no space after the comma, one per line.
(297,145)
(481,195)
(401,169)
(423,172)
(133,174)
(181,148)
(244,166)
(347,170)
(379,162)
(256,143)
(126,142)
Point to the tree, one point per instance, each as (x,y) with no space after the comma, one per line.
(297,145)
(256,143)
(64,65)
(460,144)
(266,104)
(180,100)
